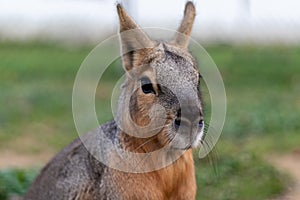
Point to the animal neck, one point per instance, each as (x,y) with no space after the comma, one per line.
(178,175)
(139,145)
(174,181)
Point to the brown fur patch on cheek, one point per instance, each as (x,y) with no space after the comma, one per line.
(144,102)
(165,136)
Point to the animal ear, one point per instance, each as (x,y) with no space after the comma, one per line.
(181,38)
(133,39)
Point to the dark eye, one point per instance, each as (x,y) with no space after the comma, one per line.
(147,86)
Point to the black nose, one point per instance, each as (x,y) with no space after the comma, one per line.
(191,117)
(177,122)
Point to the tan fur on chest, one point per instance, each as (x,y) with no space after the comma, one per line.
(176,181)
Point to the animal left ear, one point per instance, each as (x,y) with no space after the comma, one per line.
(134,40)
(181,39)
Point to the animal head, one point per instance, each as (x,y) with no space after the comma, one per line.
(161,75)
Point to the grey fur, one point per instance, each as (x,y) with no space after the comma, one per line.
(75,173)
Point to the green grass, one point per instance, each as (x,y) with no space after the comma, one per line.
(241,175)
(14,182)
(262,85)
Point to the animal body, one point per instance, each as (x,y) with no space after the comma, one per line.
(158,73)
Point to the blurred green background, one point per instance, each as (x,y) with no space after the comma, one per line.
(262,85)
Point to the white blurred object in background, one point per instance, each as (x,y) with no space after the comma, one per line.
(90,21)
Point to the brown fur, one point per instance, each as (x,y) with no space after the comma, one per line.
(176,181)
(75,173)
(186,25)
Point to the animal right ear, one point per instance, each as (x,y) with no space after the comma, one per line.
(184,31)
(133,39)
